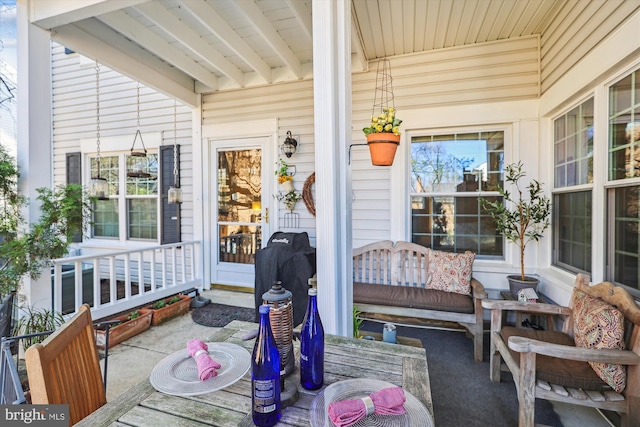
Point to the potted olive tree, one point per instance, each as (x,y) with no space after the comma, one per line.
(520,217)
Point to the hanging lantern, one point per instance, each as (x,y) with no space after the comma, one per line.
(98,186)
(174,194)
(138,164)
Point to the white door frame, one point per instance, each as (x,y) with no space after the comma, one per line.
(224,135)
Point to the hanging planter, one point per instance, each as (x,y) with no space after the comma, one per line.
(287,186)
(382,147)
(383,134)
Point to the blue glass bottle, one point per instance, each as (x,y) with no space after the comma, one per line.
(265,374)
(312,346)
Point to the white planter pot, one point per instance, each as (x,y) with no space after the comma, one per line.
(288,186)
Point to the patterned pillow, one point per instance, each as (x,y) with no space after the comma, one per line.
(450,272)
(600,325)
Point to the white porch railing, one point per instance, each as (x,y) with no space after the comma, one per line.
(118,281)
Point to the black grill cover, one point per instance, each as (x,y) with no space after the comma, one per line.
(289,258)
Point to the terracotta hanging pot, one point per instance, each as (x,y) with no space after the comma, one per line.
(382,146)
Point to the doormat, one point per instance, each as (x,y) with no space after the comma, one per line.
(218,315)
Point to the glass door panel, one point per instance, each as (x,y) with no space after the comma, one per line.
(239,205)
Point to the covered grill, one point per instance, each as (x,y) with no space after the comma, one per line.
(290,259)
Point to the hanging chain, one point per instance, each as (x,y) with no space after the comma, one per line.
(138,103)
(98,115)
(175,143)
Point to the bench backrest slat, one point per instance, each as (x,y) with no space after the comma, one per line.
(373,264)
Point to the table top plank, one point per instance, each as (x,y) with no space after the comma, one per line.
(201,411)
(345,358)
(415,377)
(236,399)
(140,416)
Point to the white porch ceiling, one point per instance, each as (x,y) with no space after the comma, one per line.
(187,47)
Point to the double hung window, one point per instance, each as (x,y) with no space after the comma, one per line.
(448,173)
(572,198)
(623,192)
(131,210)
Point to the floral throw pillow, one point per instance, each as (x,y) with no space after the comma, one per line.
(599,325)
(450,272)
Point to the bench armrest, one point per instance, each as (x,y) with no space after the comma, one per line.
(525,345)
(477,289)
(528,307)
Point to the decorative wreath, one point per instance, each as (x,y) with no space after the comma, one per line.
(307,197)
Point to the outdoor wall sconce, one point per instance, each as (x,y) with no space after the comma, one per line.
(289,146)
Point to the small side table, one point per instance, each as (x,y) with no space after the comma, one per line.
(549,324)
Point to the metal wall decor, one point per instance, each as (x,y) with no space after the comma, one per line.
(98,186)
(138,165)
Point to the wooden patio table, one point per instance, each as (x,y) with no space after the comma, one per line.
(345,358)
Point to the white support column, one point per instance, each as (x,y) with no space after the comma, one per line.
(200,156)
(332,121)
(35,151)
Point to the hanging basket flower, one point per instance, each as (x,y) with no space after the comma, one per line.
(383,134)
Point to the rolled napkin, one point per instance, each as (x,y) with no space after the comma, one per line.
(206,365)
(388,401)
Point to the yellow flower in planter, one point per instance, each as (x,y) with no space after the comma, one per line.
(386,121)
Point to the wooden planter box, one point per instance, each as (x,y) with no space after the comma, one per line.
(125,330)
(169,311)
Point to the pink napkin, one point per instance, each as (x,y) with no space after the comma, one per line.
(206,365)
(388,401)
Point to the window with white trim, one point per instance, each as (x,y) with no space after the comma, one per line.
(623,193)
(448,172)
(573,170)
(131,214)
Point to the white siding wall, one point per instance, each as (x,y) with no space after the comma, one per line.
(451,79)
(576,30)
(482,74)
(292,105)
(74,119)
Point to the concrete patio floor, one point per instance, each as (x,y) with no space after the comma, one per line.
(133,360)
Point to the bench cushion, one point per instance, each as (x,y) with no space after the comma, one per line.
(567,373)
(404,296)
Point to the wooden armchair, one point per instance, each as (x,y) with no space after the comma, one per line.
(64,369)
(548,365)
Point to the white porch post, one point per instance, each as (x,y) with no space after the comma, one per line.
(332,122)
(34,132)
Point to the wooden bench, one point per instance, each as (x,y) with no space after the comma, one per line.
(535,356)
(391,279)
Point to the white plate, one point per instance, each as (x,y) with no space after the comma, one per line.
(417,414)
(177,374)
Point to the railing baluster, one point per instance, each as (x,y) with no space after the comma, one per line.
(174,265)
(141,286)
(113,283)
(77,284)
(164,268)
(152,270)
(127,276)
